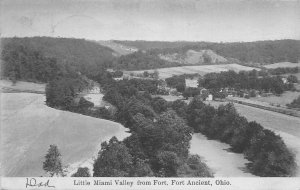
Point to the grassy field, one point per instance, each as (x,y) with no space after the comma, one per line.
(28,127)
(282,64)
(286,98)
(21,86)
(118,48)
(201,69)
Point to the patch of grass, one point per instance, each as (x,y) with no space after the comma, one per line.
(282,100)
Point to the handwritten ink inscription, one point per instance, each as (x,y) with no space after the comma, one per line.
(32,182)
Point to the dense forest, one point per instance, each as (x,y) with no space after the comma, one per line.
(21,63)
(256,80)
(264,52)
(159,140)
(142,60)
(26,57)
(161,132)
(266,151)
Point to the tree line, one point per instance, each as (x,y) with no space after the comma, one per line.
(21,63)
(37,58)
(161,131)
(266,151)
(142,60)
(156,124)
(159,140)
(245,80)
(264,52)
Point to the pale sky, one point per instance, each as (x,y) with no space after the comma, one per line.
(163,20)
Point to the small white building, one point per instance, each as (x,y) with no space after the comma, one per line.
(284,80)
(118,79)
(95,90)
(209,97)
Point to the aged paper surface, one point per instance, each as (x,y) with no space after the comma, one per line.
(77,73)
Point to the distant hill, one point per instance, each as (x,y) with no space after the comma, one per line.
(147,45)
(19,56)
(191,57)
(263,52)
(142,60)
(37,59)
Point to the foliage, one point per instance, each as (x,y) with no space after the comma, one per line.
(292,79)
(267,152)
(159,104)
(180,107)
(117,74)
(282,70)
(295,103)
(61,92)
(177,82)
(82,172)
(244,80)
(113,160)
(80,55)
(141,60)
(197,167)
(245,52)
(159,137)
(21,63)
(52,163)
(103,113)
(168,163)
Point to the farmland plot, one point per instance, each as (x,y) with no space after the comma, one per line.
(286,98)
(28,127)
(202,70)
(22,86)
(282,64)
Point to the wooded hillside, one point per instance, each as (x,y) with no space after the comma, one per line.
(245,52)
(78,55)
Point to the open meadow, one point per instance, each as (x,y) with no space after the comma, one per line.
(281,64)
(28,127)
(285,98)
(22,86)
(200,69)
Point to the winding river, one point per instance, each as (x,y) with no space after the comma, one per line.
(217,156)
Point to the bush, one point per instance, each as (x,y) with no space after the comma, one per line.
(82,172)
(199,168)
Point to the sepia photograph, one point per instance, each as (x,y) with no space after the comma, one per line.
(143,94)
